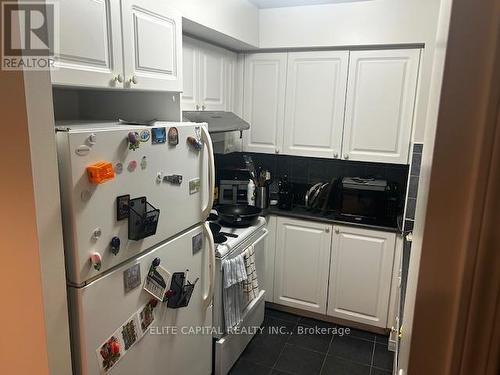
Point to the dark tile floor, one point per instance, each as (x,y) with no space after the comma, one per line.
(295,350)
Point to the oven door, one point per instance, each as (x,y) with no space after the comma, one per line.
(249,314)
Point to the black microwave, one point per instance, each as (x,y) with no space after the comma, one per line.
(368,200)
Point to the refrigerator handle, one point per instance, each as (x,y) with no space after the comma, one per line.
(211,265)
(211,172)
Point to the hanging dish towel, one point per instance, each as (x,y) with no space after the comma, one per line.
(234,274)
(251,284)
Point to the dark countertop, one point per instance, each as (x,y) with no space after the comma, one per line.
(300,212)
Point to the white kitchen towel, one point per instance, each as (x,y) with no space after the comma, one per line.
(234,274)
(251,284)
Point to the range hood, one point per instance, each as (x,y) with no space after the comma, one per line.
(218,121)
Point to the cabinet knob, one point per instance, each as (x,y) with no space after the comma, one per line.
(327,229)
(197,107)
(346,156)
(203,107)
(335,155)
(133,80)
(118,78)
(337,230)
(277,150)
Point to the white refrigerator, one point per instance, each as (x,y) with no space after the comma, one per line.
(139,255)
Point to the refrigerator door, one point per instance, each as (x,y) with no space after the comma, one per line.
(101,310)
(175,179)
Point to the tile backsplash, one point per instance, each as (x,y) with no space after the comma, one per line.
(308,170)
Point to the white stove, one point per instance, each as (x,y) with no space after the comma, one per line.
(243,235)
(229,345)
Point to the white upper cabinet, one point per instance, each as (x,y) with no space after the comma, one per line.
(90,44)
(190,67)
(135,46)
(315,100)
(152,40)
(380,103)
(302,264)
(360,275)
(208,77)
(264,101)
(213,94)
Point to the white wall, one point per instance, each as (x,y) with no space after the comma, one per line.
(358,23)
(238,19)
(48,218)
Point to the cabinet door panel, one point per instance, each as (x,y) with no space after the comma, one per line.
(315,100)
(264,101)
(89,56)
(270,255)
(191,74)
(301,264)
(360,275)
(152,38)
(380,103)
(212,78)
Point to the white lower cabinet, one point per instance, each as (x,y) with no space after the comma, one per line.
(270,254)
(301,264)
(360,275)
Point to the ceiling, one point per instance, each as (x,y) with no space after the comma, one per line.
(293,3)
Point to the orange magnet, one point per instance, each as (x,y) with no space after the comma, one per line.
(100,172)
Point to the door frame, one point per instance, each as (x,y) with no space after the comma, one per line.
(453,301)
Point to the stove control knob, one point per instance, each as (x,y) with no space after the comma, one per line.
(115,245)
(96,261)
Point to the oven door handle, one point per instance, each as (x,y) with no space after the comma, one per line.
(207,300)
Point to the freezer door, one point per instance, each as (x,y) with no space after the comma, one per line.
(101,311)
(174,179)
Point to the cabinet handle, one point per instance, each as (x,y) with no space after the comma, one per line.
(346,156)
(133,80)
(197,107)
(203,107)
(118,78)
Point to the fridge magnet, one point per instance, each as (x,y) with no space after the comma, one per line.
(109,353)
(146,316)
(144,135)
(132,277)
(133,140)
(173,136)
(157,281)
(129,333)
(159,136)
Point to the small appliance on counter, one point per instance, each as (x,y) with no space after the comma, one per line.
(233,192)
(285,196)
(368,200)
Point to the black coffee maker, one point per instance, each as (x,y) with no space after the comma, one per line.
(285,197)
